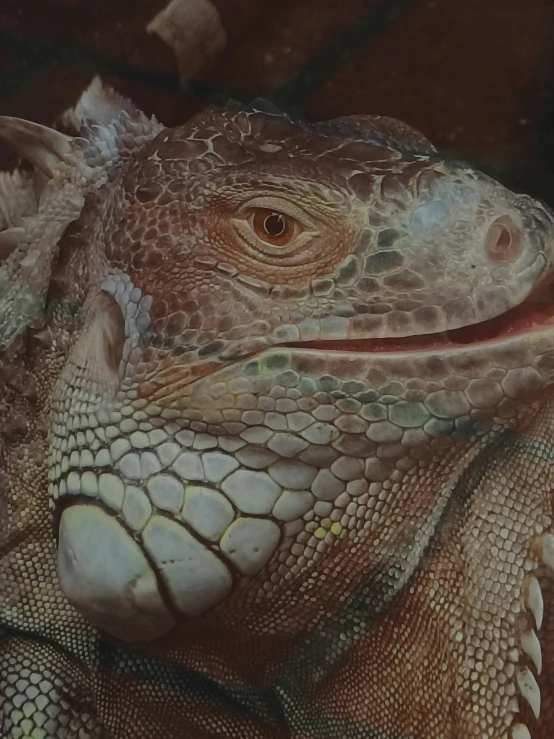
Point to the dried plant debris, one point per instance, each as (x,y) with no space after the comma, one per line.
(194,32)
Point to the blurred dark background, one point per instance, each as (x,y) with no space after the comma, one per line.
(475,76)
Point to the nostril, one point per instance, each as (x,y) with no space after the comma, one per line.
(504,241)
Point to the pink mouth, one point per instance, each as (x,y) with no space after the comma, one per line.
(523,319)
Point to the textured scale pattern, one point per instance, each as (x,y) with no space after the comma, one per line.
(276,439)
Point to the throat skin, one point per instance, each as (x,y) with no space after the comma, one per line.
(447,530)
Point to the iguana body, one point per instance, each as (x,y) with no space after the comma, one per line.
(277,443)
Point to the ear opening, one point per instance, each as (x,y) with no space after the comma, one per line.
(108,335)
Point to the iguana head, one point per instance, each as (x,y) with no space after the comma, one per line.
(304,366)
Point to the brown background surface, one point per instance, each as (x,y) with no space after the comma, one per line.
(476,76)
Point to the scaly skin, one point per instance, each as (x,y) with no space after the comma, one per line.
(284,502)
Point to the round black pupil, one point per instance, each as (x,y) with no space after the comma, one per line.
(275,224)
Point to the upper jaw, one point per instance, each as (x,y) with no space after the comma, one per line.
(333,333)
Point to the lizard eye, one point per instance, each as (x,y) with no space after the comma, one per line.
(273,227)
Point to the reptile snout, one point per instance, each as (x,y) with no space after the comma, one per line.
(538,220)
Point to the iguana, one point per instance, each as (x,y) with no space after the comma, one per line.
(277,434)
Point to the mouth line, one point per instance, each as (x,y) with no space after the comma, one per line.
(526,318)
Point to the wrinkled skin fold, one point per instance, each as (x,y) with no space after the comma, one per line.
(276,450)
